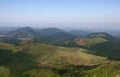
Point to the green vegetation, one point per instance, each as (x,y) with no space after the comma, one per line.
(92,41)
(42,73)
(30,59)
(101,35)
(102,47)
(55,55)
(4,72)
(7,46)
(110,49)
(16,63)
(66,43)
(110,69)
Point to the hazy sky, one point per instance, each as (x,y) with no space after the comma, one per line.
(61,13)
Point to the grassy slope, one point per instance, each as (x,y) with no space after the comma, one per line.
(14,63)
(92,41)
(88,42)
(111,69)
(103,47)
(4,72)
(21,64)
(55,55)
(7,46)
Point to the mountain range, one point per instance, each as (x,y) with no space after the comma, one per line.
(54,33)
(52,52)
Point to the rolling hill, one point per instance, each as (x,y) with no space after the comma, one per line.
(57,53)
(24,32)
(30,56)
(101,35)
(101,44)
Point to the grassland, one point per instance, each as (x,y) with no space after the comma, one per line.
(31,59)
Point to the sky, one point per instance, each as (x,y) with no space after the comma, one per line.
(104,14)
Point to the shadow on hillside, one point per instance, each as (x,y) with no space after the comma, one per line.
(109,49)
(18,62)
(73,70)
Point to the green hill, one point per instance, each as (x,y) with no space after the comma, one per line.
(101,35)
(31,59)
(55,55)
(101,47)
(110,69)
(88,42)
(7,46)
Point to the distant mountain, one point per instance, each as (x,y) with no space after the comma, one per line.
(25,29)
(58,34)
(95,38)
(79,33)
(24,32)
(3,29)
(101,35)
(102,44)
(48,32)
(6,30)
(115,33)
(62,36)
